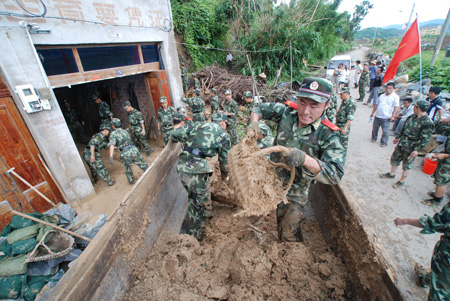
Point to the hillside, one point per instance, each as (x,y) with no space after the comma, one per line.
(368,33)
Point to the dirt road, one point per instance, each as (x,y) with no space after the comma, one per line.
(381,204)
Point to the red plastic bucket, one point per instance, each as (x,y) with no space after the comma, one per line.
(429,166)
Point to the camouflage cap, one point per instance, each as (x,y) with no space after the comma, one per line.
(65,101)
(182,64)
(218,117)
(344,90)
(181,110)
(126,104)
(105,127)
(162,99)
(116,122)
(248,94)
(177,118)
(197,91)
(366,63)
(194,75)
(316,88)
(423,105)
(228,92)
(95,96)
(214,90)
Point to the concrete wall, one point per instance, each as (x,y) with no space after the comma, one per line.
(74,22)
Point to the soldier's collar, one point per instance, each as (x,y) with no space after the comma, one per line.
(316,123)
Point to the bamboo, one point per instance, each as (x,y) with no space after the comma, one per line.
(51,225)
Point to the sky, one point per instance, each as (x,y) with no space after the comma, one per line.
(392,12)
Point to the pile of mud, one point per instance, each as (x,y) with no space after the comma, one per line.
(239,261)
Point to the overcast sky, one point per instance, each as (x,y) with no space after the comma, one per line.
(391,12)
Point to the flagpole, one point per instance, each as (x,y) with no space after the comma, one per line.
(420,53)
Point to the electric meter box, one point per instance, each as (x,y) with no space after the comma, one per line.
(30,100)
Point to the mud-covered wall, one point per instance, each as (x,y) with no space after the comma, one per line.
(372,278)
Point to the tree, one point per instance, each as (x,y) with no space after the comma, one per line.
(361,10)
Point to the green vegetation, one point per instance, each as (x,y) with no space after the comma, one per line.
(368,33)
(439,73)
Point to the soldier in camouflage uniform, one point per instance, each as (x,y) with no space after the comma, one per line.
(442,172)
(415,135)
(128,152)
(231,109)
(250,101)
(215,101)
(439,278)
(363,82)
(331,111)
(182,110)
(164,119)
(93,158)
(103,110)
(315,148)
(202,140)
(345,115)
(184,77)
(137,128)
(265,138)
(197,106)
(73,122)
(196,82)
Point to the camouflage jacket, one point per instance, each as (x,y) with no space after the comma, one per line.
(315,139)
(98,141)
(268,138)
(440,222)
(71,116)
(184,73)
(208,138)
(345,112)
(231,107)
(416,132)
(215,103)
(165,118)
(251,105)
(120,138)
(196,103)
(104,110)
(197,83)
(331,110)
(364,79)
(135,118)
(444,129)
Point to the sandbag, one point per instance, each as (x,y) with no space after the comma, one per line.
(19,222)
(22,234)
(34,286)
(6,248)
(11,287)
(23,246)
(10,266)
(44,228)
(6,231)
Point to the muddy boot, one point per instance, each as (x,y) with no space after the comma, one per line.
(150,151)
(423,276)
(111,183)
(289,218)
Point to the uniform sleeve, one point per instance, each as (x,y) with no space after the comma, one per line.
(331,161)
(158,116)
(270,111)
(425,135)
(224,148)
(108,110)
(112,140)
(139,117)
(443,129)
(181,134)
(351,112)
(440,222)
(103,143)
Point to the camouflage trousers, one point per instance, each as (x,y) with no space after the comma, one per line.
(129,156)
(401,155)
(198,187)
(185,84)
(97,167)
(362,91)
(166,134)
(215,107)
(440,271)
(139,139)
(232,130)
(77,129)
(442,173)
(344,137)
(198,117)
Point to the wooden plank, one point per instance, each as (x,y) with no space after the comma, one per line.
(141,56)
(64,80)
(77,60)
(90,45)
(164,84)
(5,214)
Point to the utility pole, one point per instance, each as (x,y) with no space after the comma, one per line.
(441,38)
(374,35)
(409,20)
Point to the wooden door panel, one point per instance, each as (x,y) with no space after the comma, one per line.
(5,214)
(158,86)
(38,203)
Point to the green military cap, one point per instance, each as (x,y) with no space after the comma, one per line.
(65,101)
(182,64)
(316,88)
(178,117)
(162,99)
(193,75)
(423,105)
(228,92)
(181,110)
(218,117)
(104,127)
(116,122)
(214,90)
(95,96)
(248,94)
(126,104)
(345,90)
(366,63)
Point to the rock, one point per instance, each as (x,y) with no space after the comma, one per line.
(41,268)
(426,82)
(402,79)
(90,230)
(217,292)
(445,95)
(65,211)
(425,89)
(414,87)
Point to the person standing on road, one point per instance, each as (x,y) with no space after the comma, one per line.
(197,106)
(93,158)
(378,82)
(416,134)
(215,101)
(373,73)
(363,82)
(439,277)
(345,115)
(385,110)
(129,154)
(315,148)
(137,128)
(358,71)
(336,76)
(103,110)
(231,109)
(201,140)
(164,119)
(343,77)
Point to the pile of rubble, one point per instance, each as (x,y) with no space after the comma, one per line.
(414,90)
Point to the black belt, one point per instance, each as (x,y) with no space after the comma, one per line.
(126,147)
(194,151)
(197,112)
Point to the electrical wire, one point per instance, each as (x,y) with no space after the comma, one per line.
(236,51)
(30,14)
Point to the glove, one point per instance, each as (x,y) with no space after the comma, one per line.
(253,129)
(111,161)
(143,132)
(295,157)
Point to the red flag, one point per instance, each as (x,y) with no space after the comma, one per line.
(408,47)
